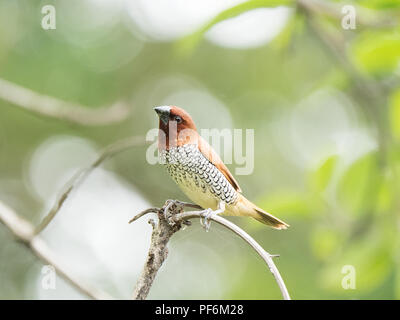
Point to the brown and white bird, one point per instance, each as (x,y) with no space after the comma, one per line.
(200,172)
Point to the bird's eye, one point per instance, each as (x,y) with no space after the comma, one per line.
(178,119)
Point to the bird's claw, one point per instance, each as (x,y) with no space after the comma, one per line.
(206,224)
(167,215)
(208,213)
(180,205)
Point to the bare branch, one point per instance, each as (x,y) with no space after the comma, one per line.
(167,226)
(24,232)
(246,237)
(52,107)
(82,174)
(141,214)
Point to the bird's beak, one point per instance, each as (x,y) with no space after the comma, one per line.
(163,113)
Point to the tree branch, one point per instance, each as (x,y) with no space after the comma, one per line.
(24,232)
(157,254)
(43,105)
(82,174)
(167,226)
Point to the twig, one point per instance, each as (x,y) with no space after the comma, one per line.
(82,174)
(166,227)
(24,232)
(143,213)
(52,107)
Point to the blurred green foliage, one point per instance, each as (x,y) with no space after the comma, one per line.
(343,206)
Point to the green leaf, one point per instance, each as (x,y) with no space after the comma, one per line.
(377,52)
(325,242)
(397,284)
(397,274)
(357,188)
(320,178)
(371,258)
(190,41)
(287,203)
(394,105)
(379,4)
(283,39)
(385,194)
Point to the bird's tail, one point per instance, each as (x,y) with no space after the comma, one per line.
(248,208)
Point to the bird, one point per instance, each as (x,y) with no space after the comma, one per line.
(199,171)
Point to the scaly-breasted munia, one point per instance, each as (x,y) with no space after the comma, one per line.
(199,171)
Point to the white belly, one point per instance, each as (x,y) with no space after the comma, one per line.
(198,195)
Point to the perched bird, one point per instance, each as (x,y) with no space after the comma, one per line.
(200,172)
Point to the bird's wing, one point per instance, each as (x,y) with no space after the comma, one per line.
(214,158)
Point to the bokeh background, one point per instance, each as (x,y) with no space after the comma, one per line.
(324,102)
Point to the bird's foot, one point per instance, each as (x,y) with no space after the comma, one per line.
(167,213)
(206,224)
(208,213)
(179,206)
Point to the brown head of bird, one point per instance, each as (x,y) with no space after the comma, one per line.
(177,128)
